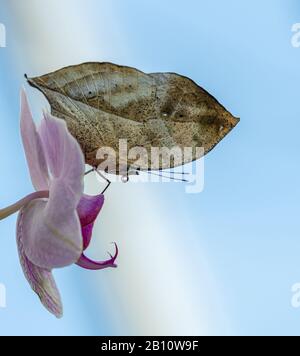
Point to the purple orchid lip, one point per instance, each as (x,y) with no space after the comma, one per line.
(87,232)
(87,263)
(89,208)
(88,211)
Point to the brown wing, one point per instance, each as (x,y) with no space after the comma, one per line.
(104,102)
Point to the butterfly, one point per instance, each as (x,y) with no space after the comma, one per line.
(103,103)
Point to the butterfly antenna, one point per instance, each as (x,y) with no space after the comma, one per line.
(89,172)
(163,176)
(138,170)
(172,172)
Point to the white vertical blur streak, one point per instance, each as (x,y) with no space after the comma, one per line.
(161,287)
(60,33)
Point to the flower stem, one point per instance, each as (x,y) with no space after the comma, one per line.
(4,213)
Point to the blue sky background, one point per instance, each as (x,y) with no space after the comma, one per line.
(219,262)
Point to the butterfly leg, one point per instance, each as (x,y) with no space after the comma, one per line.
(100,175)
(90,171)
(103,177)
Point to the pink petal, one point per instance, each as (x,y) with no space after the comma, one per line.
(51,230)
(88,211)
(49,240)
(40,280)
(63,153)
(33,147)
(87,263)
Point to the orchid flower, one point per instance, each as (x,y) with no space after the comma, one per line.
(55,223)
